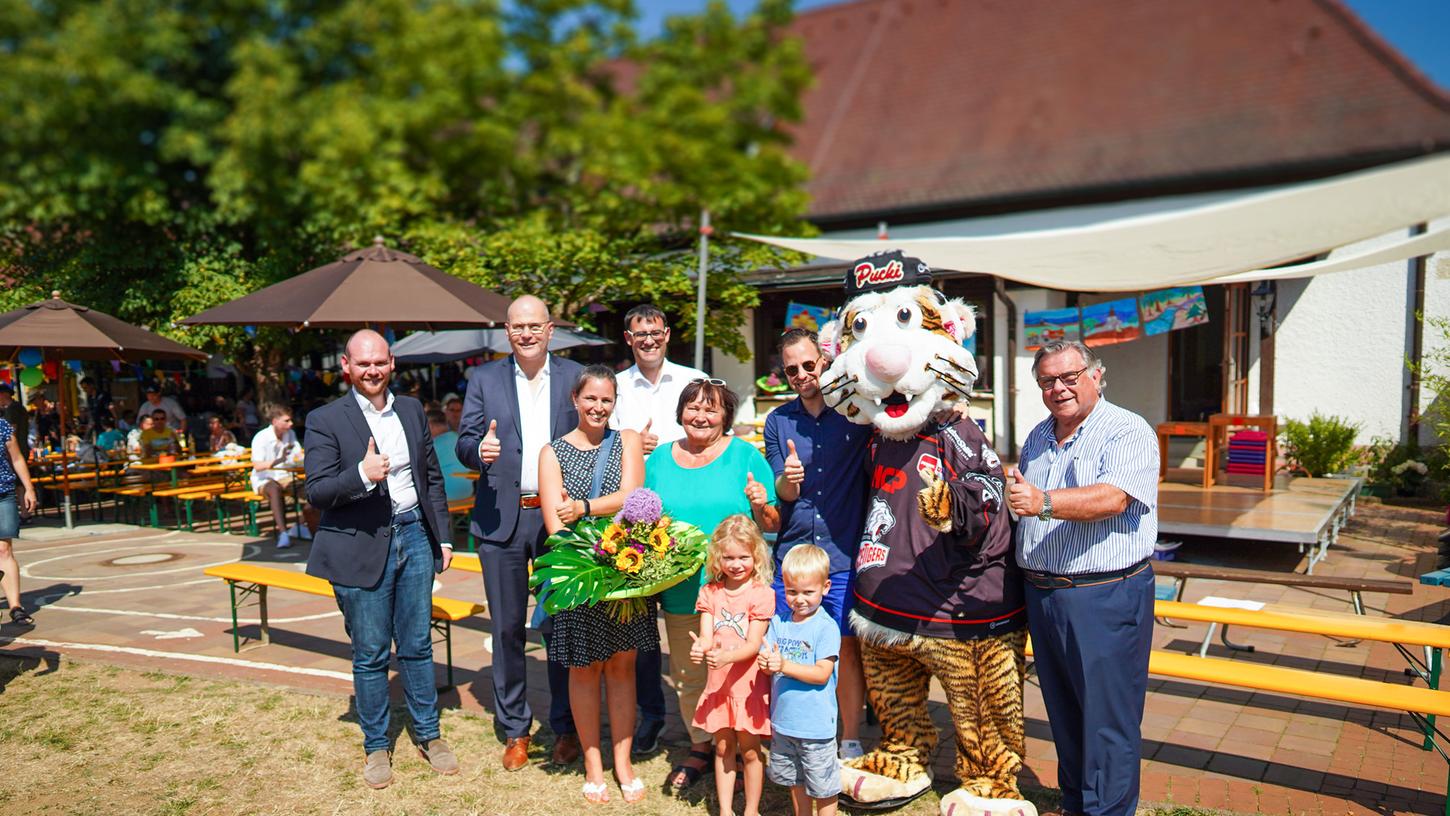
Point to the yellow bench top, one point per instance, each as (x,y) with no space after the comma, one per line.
(1313,622)
(449,609)
(1319,685)
(468,562)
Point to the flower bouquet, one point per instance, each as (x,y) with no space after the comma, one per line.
(620,561)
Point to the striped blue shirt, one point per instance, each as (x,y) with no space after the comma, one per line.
(1112,446)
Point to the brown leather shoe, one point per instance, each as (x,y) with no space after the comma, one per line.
(515,753)
(566,750)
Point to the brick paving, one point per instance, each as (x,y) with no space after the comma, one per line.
(136,597)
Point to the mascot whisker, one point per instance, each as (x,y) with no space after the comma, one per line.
(938,592)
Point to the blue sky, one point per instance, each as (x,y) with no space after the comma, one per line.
(1418,28)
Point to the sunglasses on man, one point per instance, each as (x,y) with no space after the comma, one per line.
(809,365)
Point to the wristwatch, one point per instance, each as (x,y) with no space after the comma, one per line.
(1045,514)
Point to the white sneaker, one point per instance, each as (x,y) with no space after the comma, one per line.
(851,749)
(283,541)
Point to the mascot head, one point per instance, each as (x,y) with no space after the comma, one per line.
(897,346)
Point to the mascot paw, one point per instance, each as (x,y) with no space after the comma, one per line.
(934,503)
(880,781)
(961,803)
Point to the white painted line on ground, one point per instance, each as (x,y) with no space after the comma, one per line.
(90,592)
(130,650)
(165,634)
(25,571)
(173,616)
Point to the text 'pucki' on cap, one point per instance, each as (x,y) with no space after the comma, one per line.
(884,270)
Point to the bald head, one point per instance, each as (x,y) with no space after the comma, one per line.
(529,331)
(364,341)
(369,365)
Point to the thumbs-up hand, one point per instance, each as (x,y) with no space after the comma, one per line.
(1023,497)
(375,465)
(649,440)
(770,659)
(565,509)
(794,472)
(714,656)
(699,647)
(488,448)
(754,492)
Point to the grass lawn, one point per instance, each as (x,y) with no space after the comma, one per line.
(89,738)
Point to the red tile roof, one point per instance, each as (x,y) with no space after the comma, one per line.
(924,105)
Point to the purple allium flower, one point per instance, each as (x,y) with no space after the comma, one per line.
(641,505)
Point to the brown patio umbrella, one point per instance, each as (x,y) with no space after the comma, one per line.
(65,331)
(376,286)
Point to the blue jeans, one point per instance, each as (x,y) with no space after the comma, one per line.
(398,609)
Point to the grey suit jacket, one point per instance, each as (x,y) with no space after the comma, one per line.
(352,539)
(493,395)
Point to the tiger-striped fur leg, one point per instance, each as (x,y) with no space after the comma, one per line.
(983,683)
(934,503)
(896,772)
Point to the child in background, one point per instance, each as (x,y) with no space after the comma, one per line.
(801,656)
(735,609)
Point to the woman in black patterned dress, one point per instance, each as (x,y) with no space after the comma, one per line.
(585,638)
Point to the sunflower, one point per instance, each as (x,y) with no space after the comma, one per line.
(629,560)
(614,535)
(659,540)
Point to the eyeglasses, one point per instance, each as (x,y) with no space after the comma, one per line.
(653,334)
(710,380)
(535,329)
(1069,379)
(808,365)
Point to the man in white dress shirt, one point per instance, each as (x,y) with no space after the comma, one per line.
(649,390)
(649,393)
(512,409)
(273,449)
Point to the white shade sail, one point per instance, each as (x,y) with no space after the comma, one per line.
(1238,238)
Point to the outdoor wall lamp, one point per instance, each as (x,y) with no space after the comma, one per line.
(1264,294)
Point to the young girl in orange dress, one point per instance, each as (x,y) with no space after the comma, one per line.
(735,609)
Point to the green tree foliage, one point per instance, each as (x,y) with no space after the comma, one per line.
(162,157)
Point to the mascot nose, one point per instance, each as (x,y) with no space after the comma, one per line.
(888,361)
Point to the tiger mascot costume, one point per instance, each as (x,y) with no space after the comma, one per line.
(938,592)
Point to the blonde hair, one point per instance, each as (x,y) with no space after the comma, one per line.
(805,562)
(739,529)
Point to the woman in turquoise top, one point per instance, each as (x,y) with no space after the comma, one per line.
(701,479)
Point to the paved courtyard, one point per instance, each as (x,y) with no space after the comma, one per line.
(137,597)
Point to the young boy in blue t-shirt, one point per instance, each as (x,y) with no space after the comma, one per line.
(801,655)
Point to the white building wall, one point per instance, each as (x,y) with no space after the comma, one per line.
(1437,305)
(1137,377)
(1341,346)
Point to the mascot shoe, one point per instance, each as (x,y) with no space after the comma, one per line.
(961,803)
(864,790)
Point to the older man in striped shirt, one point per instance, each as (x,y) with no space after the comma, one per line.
(1087,496)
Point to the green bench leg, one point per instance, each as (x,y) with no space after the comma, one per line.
(252,527)
(1434,683)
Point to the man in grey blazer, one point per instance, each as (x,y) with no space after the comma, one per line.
(372,471)
(513,408)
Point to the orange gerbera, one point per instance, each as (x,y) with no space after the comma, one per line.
(629,560)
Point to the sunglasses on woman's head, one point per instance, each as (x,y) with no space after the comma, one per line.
(710,380)
(808,365)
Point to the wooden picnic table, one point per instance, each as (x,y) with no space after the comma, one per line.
(177,466)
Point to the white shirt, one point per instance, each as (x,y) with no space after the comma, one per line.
(641,401)
(175,417)
(267,448)
(387,431)
(534,424)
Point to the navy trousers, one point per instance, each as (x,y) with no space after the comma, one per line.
(506,585)
(1091,649)
(649,690)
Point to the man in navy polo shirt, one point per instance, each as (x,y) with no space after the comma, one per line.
(820,479)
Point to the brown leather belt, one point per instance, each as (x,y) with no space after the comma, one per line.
(1047,580)
(529,501)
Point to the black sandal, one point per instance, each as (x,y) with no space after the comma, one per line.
(18,615)
(687,775)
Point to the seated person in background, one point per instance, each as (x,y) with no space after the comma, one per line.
(218,435)
(444,441)
(133,438)
(159,439)
(273,448)
(109,438)
(453,411)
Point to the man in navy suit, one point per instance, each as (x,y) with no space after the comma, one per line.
(372,471)
(513,408)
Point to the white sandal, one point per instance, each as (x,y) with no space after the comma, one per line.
(633,790)
(596,793)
